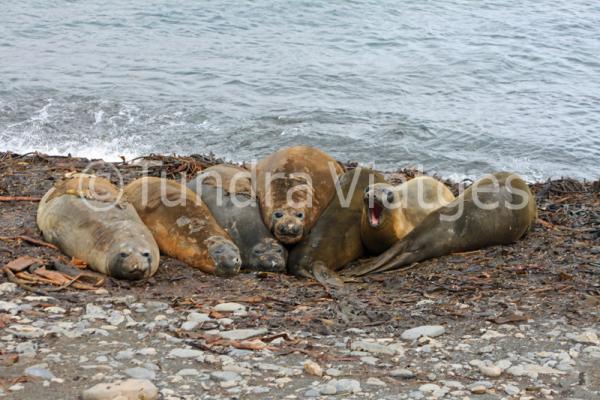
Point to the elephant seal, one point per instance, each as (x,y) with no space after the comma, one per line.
(227,192)
(84,216)
(336,238)
(497,209)
(391,212)
(183,226)
(293,186)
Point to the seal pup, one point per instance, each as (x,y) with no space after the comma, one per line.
(227,192)
(293,186)
(336,238)
(86,218)
(496,209)
(183,226)
(391,212)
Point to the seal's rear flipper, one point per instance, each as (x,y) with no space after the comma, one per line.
(374,265)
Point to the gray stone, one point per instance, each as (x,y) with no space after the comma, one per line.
(429,388)
(345,386)
(189,325)
(261,390)
(7,306)
(27,349)
(415,395)
(116,318)
(188,372)
(328,389)
(311,393)
(369,360)
(26,331)
(156,305)
(147,351)
(490,370)
(7,288)
(425,330)
(39,371)
(198,317)
(124,355)
(131,389)
(186,353)
(225,376)
(375,382)
(93,311)
(402,373)
(140,373)
(511,390)
(372,347)
(229,307)
(477,389)
(588,337)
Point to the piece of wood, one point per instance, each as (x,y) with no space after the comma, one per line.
(19,198)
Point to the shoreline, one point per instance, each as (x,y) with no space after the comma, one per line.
(514,317)
(195,160)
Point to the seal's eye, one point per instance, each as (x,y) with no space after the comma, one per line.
(278,214)
(367,189)
(300,215)
(123,255)
(390,197)
(279,250)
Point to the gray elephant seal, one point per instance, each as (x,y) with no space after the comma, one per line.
(497,209)
(226,191)
(391,212)
(83,216)
(336,238)
(183,226)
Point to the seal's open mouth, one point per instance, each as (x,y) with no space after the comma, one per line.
(375,214)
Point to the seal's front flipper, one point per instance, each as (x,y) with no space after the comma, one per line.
(326,276)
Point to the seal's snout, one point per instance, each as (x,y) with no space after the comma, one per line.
(288,226)
(226,257)
(289,229)
(268,256)
(131,265)
(288,233)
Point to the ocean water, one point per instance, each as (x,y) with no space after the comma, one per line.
(457,87)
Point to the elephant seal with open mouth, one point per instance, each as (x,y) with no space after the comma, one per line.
(391,212)
(497,209)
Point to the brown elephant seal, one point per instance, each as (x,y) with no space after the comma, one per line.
(227,192)
(293,186)
(336,238)
(183,226)
(391,212)
(497,209)
(84,216)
